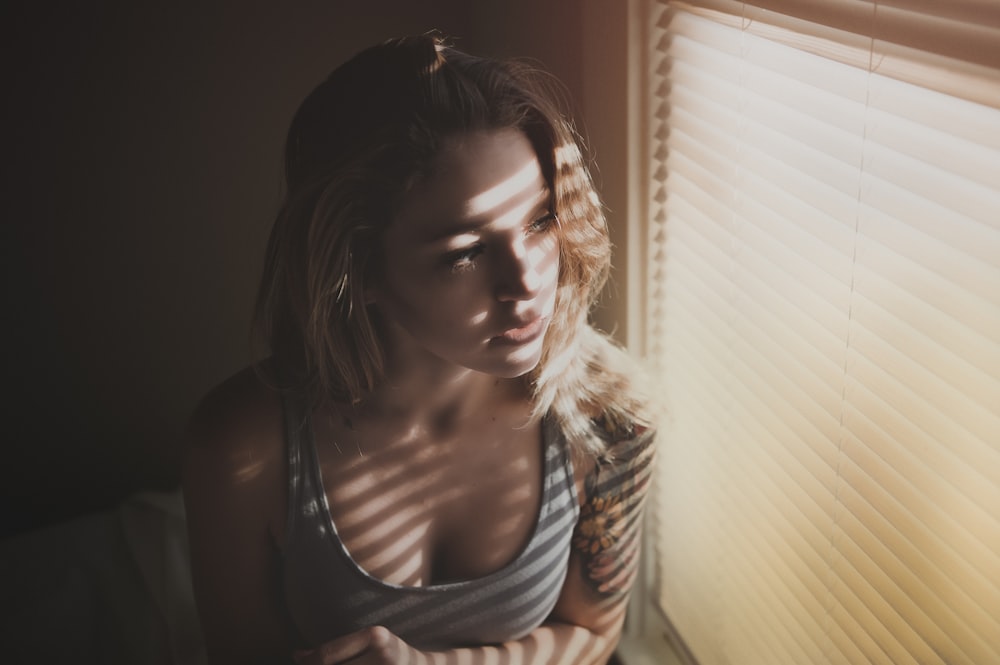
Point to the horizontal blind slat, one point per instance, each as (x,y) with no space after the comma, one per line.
(978,12)
(969,121)
(924,289)
(938,188)
(973,461)
(900,602)
(861,629)
(967,38)
(784,634)
(953,57)
(931,555)
(925,222)
(829,239)
(939,147)
(961,374)
(887,634)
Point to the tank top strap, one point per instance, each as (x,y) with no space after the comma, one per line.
(560,476)
(298,436)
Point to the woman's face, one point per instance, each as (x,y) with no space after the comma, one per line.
(471,261)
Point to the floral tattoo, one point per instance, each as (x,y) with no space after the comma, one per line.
(607,532)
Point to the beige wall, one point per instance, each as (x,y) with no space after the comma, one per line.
(144,170)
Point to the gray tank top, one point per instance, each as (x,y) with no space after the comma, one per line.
(327,594)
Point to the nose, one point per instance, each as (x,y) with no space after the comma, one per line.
(518,273)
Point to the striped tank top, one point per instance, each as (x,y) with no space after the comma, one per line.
(327,594)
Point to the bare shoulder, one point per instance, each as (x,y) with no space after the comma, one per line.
(242,410)
(629,452)
(234,480)
(615,488)
(235,447)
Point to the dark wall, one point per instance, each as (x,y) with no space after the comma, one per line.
(142,155)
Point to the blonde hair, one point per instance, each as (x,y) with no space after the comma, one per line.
(358,141)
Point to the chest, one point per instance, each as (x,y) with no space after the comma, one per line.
(425,510)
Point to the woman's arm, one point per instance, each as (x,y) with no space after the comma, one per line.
(586,623)
(233,479)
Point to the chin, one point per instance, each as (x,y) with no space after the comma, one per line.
(514,373)
(513,368)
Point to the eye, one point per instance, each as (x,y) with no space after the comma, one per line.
(463,260)
(543,223)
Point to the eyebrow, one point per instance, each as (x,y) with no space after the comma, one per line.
(544,199)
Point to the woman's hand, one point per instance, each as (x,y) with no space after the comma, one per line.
(369,646)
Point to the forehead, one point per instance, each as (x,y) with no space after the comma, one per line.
(474,178)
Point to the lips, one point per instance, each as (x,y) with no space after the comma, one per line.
(522,334)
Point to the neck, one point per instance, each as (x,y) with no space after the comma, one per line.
(421,396)
(421,393)
(418,386)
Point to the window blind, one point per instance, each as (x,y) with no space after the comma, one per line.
(823,310)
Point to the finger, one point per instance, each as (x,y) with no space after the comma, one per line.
(336,651)
(380,649)
(384,648)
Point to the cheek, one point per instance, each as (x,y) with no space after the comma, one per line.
(549,261)
(437,303)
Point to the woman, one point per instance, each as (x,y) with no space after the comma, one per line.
(441,461)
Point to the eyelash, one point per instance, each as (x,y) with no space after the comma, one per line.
(544,223)
(463,260)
